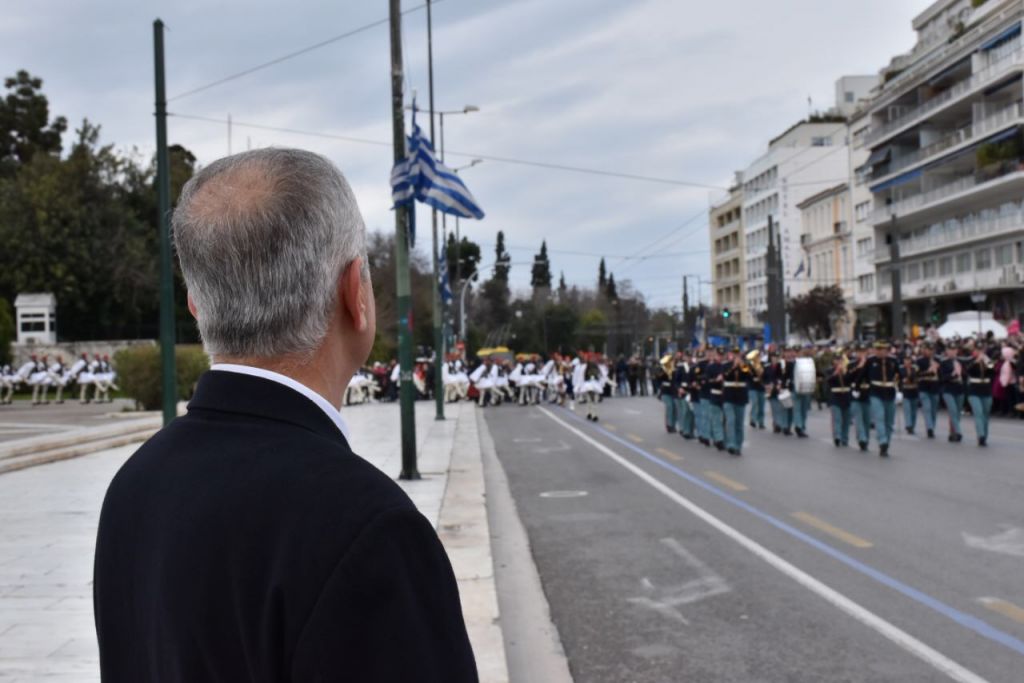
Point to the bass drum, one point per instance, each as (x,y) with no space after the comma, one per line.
(786,399)
(804,376)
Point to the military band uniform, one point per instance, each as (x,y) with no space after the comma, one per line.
(884,375)
(951,380)
(704,405)
(775,377)
(979,394)
(860,406)
(667,395)
(928,391)
(755,394)
(736,377)
(911,391)
(839,400)
(684,408)
(716,416)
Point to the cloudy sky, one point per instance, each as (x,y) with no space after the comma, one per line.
(674,89)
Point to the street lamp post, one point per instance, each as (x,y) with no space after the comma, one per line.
(978,298)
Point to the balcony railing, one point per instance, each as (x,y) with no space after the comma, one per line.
(978,129)
(998,65)
(959,230)
(980,177)
(994,278)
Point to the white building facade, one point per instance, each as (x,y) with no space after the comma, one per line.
(946,166)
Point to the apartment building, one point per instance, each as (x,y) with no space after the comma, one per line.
(826,242)
(946,165)
(728,265)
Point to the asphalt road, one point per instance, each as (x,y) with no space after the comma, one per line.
(663,560)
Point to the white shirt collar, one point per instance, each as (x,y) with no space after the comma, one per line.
(313,396)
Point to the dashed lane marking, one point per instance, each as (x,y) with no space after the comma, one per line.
(1007,609)
(669,454)
(725,481)
(611,428)
(634,438)
(833,531)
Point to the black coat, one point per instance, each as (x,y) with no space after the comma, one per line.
(247,542)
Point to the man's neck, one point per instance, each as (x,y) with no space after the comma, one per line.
(316,373)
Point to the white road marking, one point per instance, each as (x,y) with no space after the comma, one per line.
(633,412)
(560,448)
(888,630)
(563,494)
(525,440)
(1008,542)
(671,599)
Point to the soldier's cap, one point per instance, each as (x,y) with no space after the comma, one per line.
(737,349)
(881,344)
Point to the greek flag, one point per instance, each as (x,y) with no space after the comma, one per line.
(442,276)
(421,176)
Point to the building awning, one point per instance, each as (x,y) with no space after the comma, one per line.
(1000,38)
(879,156)
(898,180)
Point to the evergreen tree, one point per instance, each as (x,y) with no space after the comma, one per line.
(25,126)
(502,259)
(561,284)
(540,277)
(610,291)
(602,279)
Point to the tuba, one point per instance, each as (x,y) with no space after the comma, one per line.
(754,359)
(668,364)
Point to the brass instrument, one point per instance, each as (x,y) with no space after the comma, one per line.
(754,360)
(668,364)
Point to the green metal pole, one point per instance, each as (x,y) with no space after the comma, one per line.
(169,384)
(402,217)
(438,302)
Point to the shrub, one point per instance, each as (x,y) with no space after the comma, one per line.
(138,372)
(7,332)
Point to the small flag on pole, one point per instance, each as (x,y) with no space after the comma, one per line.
(421,176)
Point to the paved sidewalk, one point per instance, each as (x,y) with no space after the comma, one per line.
(48,517)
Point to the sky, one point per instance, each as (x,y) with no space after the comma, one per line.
(671,89)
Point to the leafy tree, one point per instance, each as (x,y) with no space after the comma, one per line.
(25,126)
(815,313)
(540,277)
(593,330)
(559,326)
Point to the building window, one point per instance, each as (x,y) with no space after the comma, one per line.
(866,283)
(1004,254)
(913,272)
(864,247)
(963,263)
(983,259)
(33,327)
(945,266)
(821,141)
(928,270)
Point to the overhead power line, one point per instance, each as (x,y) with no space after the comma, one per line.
(474,155)
(292,55)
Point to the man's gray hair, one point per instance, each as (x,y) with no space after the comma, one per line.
(262,238)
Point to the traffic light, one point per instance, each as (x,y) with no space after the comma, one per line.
(935,317)
(726,313)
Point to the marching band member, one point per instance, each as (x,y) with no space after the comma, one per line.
(839,400)
(594,379)
(704,394)
(716,416)
(665,392)
(736,378)
(685,418)
(928,387)
(910,388)
(860,406)
(979,372)
(755,394)
(883,372)
(801,400)
(951,376)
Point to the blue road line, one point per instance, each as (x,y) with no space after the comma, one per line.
(975,624)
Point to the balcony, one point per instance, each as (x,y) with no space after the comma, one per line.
(997,278)
(976,226)
(1001,62)
(990,124)
(986,177)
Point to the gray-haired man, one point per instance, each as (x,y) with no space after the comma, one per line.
(245,541)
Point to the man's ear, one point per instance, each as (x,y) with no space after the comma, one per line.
(192,306)
(351,295)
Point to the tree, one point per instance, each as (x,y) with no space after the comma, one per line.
(7,331)
(501,259)
(25,126)
(466,255)
(602,278)
(561,286)
(610,291)
(540,276)
(815,313)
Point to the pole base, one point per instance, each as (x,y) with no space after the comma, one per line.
(410,475)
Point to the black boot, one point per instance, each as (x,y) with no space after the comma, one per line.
(801,433)
(981,441)
(720,445)
(931,433)
(836,442)
(776,429)
(787,432)
(883,450)
(863,445)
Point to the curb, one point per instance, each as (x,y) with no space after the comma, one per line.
(464,532)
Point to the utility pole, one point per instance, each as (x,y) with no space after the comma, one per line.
(897,290)
(687,330)
(168,384)
(773,293)
(404,299)
(438,302)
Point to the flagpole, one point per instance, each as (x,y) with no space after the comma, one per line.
(438,302)
(403,214)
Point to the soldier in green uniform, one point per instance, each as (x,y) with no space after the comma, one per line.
(860,405)
(735,379)
(839,400)
(681,386)
(883,373)
(928,387)
(980,371)
(911,394)
(715,415)
(951,378)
